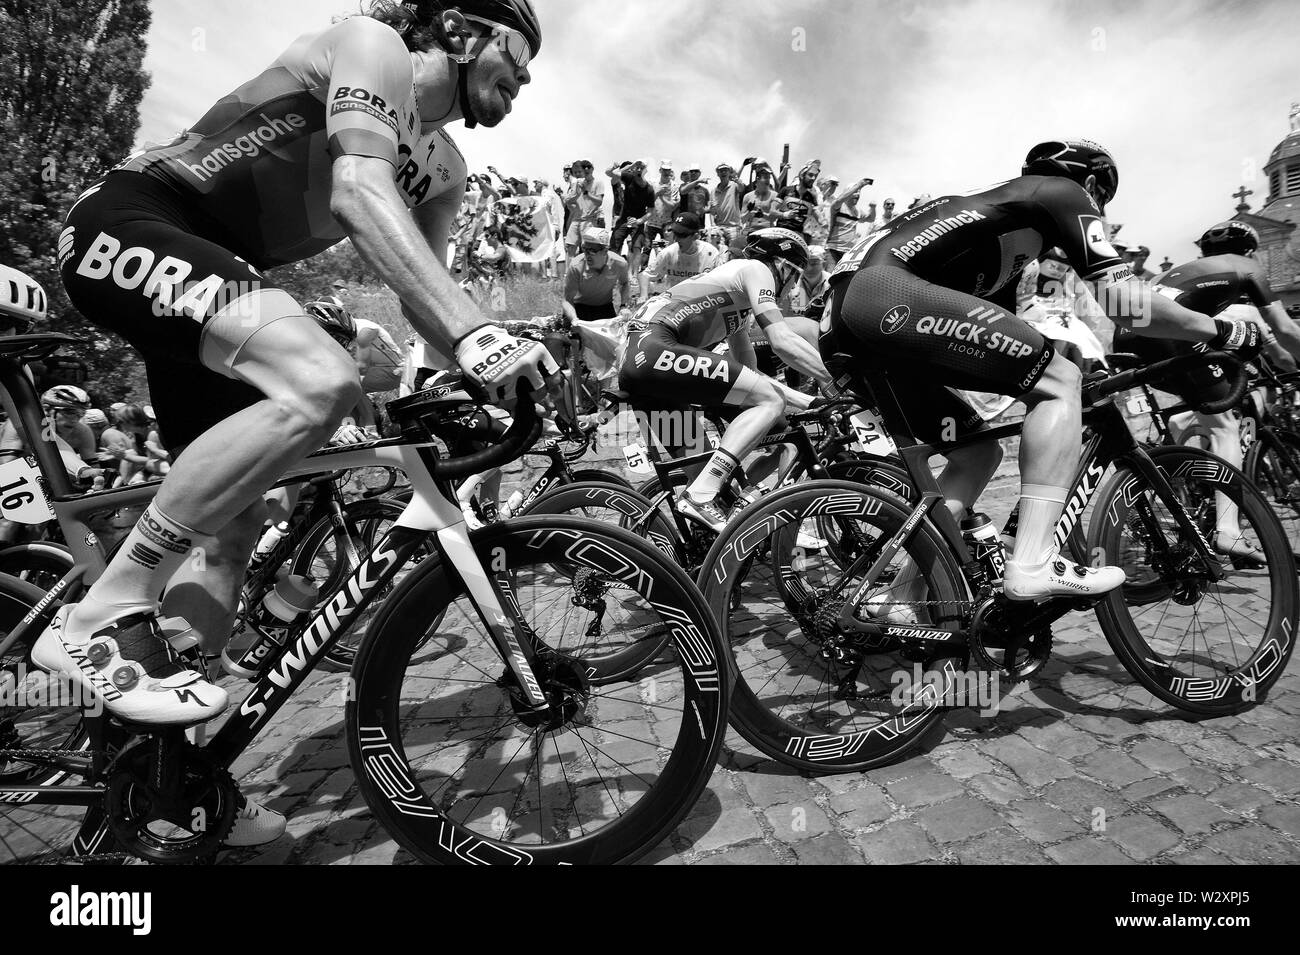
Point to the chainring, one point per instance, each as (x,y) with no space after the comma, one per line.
(177,824)
(1022,655)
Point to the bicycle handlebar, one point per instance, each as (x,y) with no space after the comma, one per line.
(1095,391)
(522,433)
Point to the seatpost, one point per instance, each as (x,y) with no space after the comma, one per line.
(24,407)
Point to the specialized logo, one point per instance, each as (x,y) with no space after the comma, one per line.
(146,557)
(895,319)
(1078,502)
(940,227)
(705,366)
(975,332)
(249,145)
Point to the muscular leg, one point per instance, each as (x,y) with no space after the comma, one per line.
(763,405)
(1225,441)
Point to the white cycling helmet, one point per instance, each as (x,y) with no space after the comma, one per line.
(22,300)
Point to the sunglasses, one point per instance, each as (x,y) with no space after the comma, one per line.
(508,41)
(594,249)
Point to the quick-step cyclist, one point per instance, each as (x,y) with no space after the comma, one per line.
(670,362)
(340,137)
(932,296)
(1226,274)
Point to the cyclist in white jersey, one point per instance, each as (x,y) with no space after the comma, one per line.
(669,362)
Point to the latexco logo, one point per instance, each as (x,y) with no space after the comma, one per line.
(76,908)
(895,319)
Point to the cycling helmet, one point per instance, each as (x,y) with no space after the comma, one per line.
(333,316)
(1233,237)
(22,300)
(1075,159)
(517,16)
(777,245)
(66,396)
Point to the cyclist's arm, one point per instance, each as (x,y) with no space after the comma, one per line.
(742,349)
(788,345)
(1287,346)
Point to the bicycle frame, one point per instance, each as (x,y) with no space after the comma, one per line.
(1109,442)
(430,511)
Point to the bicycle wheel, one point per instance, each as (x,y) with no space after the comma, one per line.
(803,693)
(39,563)
(1203,646)
(37,712)
(601,476)
(323,556)
(1273,465)
(610,657)
(458,770)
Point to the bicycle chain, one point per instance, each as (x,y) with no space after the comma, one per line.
(23,754)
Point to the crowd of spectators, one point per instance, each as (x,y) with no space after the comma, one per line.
(660,225)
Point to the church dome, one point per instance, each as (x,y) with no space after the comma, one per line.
(1286,149)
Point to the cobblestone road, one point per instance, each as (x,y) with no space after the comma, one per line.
(1080,766)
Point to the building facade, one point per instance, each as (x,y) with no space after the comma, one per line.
(1277,218)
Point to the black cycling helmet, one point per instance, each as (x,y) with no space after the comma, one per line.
(777,245)
(1075,159)
(517,15)
(333,316)
(1233,237)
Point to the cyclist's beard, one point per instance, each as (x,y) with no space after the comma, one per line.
(486,100)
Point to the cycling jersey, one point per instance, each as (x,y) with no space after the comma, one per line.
(673,266)
(1207,285)
(259,162)
(930,295)
(178,234)
(668,361)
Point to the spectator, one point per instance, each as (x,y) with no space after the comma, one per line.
(813,281)
(694,191)
(666,198)
(1137,255)
(638,203)
(685,258)
(920,200)
(589,283)
(757,209)
(124,443)
(555,216)
(585,198)
(615,174)
(804,190)
(887,215)
(724,205)
(845,219)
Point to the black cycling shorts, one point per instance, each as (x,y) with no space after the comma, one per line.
(123,241)
(1198,386)
(659,372)
(926,339)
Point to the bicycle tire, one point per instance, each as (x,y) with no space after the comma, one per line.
(756,702)
(374,715)
(38,563)
(368,516)
(598,475)
(1123,499)
(1279,481)
(41,830)
(632,512)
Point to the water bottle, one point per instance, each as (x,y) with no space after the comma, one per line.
(268,626)
(982,538)
(274,534)
(508,508)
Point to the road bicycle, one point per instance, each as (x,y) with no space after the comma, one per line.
(481,743)
(843,667)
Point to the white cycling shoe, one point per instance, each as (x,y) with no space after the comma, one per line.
(255,825)
(1058,577)
(131,669)
(707,512)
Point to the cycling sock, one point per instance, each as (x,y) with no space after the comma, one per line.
(150,555)
(715,474)
(1040,508)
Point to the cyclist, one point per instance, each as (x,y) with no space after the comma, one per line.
(931,296)
(1225,275)
(341,137)
(671,357)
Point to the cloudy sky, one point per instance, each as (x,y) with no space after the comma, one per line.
(927,96)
